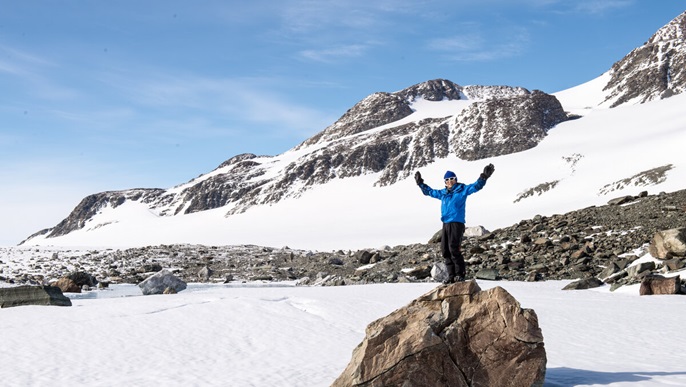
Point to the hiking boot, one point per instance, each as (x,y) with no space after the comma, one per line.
(459,279)
(448,280)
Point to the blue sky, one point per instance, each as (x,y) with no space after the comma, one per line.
(103,96)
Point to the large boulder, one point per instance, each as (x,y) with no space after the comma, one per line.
(656,284)
(667,244)
(454,335)
(161,281)
(32,295)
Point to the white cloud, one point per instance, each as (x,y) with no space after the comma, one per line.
(601,6)
(334,54)
(213,101)
(475,46)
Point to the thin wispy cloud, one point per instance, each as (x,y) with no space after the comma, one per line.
(219,100)
(37,74)
(335,54)
(601,6)
(476,47)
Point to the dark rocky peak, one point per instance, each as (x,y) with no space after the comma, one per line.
(502,126)
(481,93)
(675,30)
(653,71)
(433,90)
(375,110)
(237,159)
(383,108)
(91,204)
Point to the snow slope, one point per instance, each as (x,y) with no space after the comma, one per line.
(300,336)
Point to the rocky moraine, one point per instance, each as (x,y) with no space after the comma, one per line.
(596,242)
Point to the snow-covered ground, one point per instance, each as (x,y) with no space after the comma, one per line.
(262,335)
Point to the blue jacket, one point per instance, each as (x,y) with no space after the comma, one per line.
(453,202)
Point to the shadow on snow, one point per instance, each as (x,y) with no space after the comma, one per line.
(563,376)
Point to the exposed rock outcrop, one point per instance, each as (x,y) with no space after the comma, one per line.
(502,126)
(655,70)
(452,336)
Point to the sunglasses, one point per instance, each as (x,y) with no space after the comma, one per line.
(450,178)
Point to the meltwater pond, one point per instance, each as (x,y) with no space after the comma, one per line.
(131,290)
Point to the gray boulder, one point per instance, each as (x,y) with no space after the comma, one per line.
(454,335)
(32,295)
(161,281)
(476,231)
(487,274)
(439,272)
(586,283)
(205,273)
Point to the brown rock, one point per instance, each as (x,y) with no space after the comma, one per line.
(169,290)
(67,285)
(455,335)
(655,284)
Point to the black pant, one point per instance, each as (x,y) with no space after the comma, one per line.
(451,239)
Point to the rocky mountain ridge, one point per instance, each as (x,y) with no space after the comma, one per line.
(656,70)
(508,120)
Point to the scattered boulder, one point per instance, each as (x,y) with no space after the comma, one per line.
(81,278)
(149,268)
(160,281)
(67,285)
(475,231)
(585,283)
(487,274)
(363,257)
(32,295)
(656,284)
(419,272)
(454,335)
(641,269)
(205,273)
(621,200)
(436,238)
(669,243)
(439,272)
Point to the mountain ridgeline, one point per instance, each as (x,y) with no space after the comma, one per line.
(500,120)
(380,135)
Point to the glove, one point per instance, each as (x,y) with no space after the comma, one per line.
(418,178)
(488,171)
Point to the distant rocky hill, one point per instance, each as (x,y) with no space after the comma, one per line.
(499,120)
